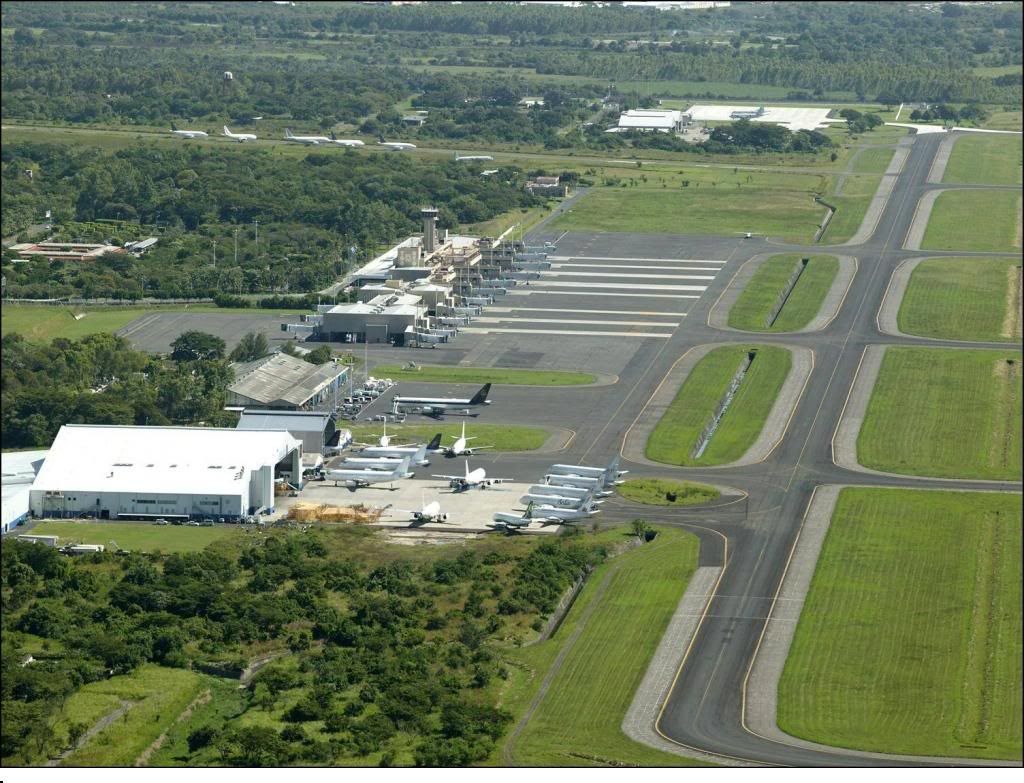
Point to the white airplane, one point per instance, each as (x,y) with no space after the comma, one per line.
(473,157)
(239,137)
(596,485)
(187,134)
(383,441)
(435,406)
(346,142)
(610,474)
(396,146)
(566,514)
(562,491)
(429,512)
(364,478)
(560,501)
(513,522)
(475,478)
(305,139)
(459,448)
(373,463)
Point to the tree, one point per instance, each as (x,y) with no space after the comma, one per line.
(194,345)
(319,355)
(253,345)
(640,528)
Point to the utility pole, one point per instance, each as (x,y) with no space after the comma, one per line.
(236,247)
(214,253)
(257,223)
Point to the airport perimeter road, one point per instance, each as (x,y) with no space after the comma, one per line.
(704,711)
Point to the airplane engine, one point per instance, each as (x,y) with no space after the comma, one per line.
(487,483)
(444,517)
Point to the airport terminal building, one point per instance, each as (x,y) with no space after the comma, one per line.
(111,472)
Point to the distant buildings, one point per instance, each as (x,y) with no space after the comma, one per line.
(64,251)
(662,121)
(548,186)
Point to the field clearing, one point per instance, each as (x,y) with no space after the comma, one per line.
(1004,120)
(758,297)
(994,225)
(910,637)
(982,159)
(499,375)
(503,437)
(138,536)
(947,413)
(680,427)
(158,696)
(42,323)
(654,492)
(962,299)
(620,616)
(790,214)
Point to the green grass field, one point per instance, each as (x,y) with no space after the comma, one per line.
(945,412)
(653,492)
(994,224)
(159,695)
(679,429)
(963,299)
(725,209)
(990,160)
(1004,120)
(434,374)
(503,437)
(850,207)
(137,537)
(873,160)
(577,723)
(910,637)
(758,297)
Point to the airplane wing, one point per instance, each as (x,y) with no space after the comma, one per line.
(478,448)
(498,480)
(450,478)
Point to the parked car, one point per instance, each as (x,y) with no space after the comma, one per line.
(192,523)
(161,522)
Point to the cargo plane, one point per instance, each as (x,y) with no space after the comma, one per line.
(435,406)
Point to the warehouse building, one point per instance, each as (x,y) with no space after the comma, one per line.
(662,121)
(284,382)
(314,428)
(385,318)
(19,470)
(112,472)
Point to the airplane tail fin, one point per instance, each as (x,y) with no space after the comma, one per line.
(380,139)
(174,127)
(287,133)
(227,131)
(435,443)
(481,396)
(528,514)
(402,467)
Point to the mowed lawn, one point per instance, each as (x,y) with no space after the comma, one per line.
(157,696)
(851,207)
(726,209)
(680,427)
(481,375)
(619,617)
(760,294)
(985,160)
(983,220)
(655,492)
(40,324)
(502,437)
(136,536)
(910,637)
(945,412)
(873,160)
(963,299)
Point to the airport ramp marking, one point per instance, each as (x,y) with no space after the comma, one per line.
(619,294)
(487,320)
(630,275)
(637,266)
(638,258)
(483,330)
(588,312)
(635,286)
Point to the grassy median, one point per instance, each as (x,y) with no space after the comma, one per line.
(985,160)
(676,435)
(963,299)
(613,628)
(481,375)
(910,637)
(760,294)
(655,492)
(993,227)
(945,412)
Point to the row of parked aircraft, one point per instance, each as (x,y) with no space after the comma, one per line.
(397,146)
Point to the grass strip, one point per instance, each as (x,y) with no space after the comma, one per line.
(981,159)
(759,295)
(654,492)
(137,537)
(992,227)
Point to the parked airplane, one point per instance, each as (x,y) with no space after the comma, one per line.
(188,134)
(429,512)
(239,137)
(503,521)
(383,441)
(459,448)
(396,146)
(610,474)
(346,142)
(566,514)
(473,157)
(374,463)
(364,478)
(305,139)
(586,482)
(434,406)
(561,501)
(475,478)
(563,491)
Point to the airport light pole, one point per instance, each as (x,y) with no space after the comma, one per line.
(236,247)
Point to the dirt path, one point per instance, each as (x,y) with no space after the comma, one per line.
(556,666)
(1014,300)
(256,664)
(186,713)
(97,727)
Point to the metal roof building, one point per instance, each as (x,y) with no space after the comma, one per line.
(118,471)
(19,470)
(284,382)
(665,121)
(313,428)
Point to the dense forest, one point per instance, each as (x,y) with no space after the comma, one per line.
(311,212)
(383,655)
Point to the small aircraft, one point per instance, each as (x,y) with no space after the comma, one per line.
(239,137)
(305,139)
(345,142)
(435,406)
(188,134)
(475,478)
(459,448)
(354,479)
(396,146)
(429,512)
(473,157)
